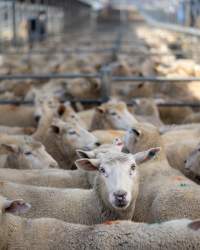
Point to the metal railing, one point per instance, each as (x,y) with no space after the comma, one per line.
(105,74)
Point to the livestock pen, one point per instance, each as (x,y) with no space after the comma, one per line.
(99,122)
(123,41)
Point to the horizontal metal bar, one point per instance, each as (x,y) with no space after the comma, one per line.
(149,53)
(172,27)
(67,51)
(98,75)
(100,101)
(179,104)
(154,79)
(104,50)
(131,103)
(49,76)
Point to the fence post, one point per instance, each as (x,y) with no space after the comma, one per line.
(14,41)
(106,78)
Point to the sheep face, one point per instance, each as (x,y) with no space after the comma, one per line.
(145,106)
(29,156)
(66,113)
(42,102)
(117,145)
(116,115)
(122,69)
(193,162)
(141,137)
(117,179)
(84,88)
(74,136)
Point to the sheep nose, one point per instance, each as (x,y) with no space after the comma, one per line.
(120,195)
(53,164)
(37,118)
(97,144)
(185,161)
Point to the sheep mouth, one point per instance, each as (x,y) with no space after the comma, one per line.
(121,204)
(197,178)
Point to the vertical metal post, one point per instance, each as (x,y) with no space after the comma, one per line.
(14,41)
(106,78)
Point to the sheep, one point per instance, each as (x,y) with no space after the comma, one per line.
(121,69)
(63,138)
(192,118)
(192,164)
(185,134)
(57,178)
(112,197)
(60,178)
(166,128)
(84,88)
(86,116)
(47,111)
(107,136)
(112,115)
(48,233)
(178,152)
(17,130)
(44,104)
(174,115)
(30,155)
(166,192)
(146,110)
(13,115)
(67,113)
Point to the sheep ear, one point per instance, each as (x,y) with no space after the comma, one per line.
(16,207)
(61,109)
(135,131)
(55,129)
(88,164)
(194,225)
(140,85)
(85,154)
(142,157)
(100,110)
(9,148)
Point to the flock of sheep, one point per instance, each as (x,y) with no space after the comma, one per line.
(102,177)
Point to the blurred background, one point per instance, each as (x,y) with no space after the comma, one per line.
(31,20)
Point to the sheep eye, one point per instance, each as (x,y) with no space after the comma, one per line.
(72,132)
(28,153)
(133,167)
(113,113)
(103,171)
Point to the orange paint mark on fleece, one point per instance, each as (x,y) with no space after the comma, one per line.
(178,178)
(111,222)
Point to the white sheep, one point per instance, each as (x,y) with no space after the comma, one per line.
(112,197)
(112,115)
(192,164)
(29,155)
(63,138)
(166,192)
(47,233)
(57,177)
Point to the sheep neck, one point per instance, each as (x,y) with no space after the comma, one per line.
(44,125)
(107,211)
(11,227)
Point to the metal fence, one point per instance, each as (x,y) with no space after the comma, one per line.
(182,12)
(115,47)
